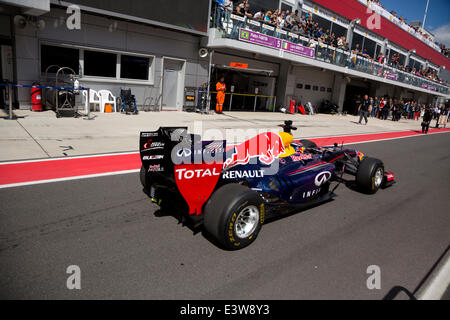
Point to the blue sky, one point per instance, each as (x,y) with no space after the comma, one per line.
(438,19)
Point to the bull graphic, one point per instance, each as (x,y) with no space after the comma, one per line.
(267,147)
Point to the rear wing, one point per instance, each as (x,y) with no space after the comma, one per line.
(156,147)
(194,165)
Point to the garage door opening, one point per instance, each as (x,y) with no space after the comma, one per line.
(352,95)
(247,89)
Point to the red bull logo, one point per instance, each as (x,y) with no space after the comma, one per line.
(267,147)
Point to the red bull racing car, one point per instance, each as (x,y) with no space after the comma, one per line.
(232,190)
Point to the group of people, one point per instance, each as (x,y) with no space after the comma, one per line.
(385,108)
(445,51)
(304,25)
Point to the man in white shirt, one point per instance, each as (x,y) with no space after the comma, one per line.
(290,20)
(228,11)
(259,15)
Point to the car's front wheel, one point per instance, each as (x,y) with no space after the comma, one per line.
(308,144)
(234,216)
(370,175)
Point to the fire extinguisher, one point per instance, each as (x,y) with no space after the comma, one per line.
(292,107)
(36,97)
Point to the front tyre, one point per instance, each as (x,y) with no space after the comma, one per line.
(370,175)
(308,144)
(234,216)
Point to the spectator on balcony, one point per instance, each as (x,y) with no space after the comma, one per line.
(354,56)
(243,10)
(281,21)
(267,21)
(220,8)
(318,33)
(395,60)
(302,29)
(260,15)
(346,47)
(315,27)
(228,10)
(274,17)
(290,21)
(341,42)
(340,45)
(268,17)
(246,10)
(381,59)
(332,40)
(296,17)
(309,16)
(303,20)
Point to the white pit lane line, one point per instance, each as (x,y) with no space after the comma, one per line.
(437,283)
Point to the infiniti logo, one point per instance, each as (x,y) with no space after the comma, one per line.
(322,178)
(184,153)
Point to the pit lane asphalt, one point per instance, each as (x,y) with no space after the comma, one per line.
(108,228)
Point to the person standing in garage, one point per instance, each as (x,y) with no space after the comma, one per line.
(221,88)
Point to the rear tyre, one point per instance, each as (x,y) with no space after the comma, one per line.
(143,177)
(370,175)
(308,144)
(234,216)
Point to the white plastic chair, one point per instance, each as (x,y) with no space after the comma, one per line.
(107,97)
(94,99)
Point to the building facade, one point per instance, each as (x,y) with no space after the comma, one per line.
(152,47)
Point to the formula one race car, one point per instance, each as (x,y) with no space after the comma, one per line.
(232,190)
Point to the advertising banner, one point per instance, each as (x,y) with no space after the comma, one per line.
(298,49)
(275,43)
(391,76)
(259,38)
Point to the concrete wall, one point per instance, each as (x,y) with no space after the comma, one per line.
(308,76)
(104,33)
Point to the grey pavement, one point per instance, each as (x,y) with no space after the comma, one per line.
(111,230)
(42,135)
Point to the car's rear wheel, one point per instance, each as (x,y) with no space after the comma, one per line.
(234,216)
(308,144)
(370,175)
(144,179)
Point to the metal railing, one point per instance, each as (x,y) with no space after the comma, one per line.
(259,102)
(233,25)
